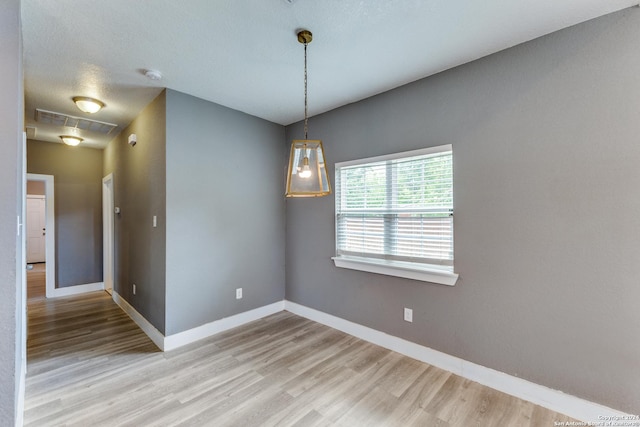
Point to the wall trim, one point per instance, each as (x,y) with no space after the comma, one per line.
(204,331)
(171,342)
(555,400)
(155,335)
(76,289)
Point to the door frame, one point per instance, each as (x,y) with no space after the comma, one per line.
(108,266)
(50,238)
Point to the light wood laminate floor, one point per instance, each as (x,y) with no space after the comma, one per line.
(36,281)
(90,365)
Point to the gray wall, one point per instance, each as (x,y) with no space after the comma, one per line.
(225,212)
(11,195)
(139,192)
(546,146)
(77,173)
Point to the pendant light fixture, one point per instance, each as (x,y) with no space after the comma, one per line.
(307,175)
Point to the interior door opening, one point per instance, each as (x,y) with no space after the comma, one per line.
(40,231)
(107,233)
(36,241)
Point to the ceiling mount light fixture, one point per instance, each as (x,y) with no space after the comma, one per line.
(307,175)
(88,105)
(71,140)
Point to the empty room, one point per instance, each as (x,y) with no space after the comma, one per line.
(317,213)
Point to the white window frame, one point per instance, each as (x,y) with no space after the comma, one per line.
(417,271)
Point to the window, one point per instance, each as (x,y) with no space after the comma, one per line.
(394,215)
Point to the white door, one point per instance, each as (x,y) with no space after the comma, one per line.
(36,229)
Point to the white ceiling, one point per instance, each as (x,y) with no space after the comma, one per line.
(245,55)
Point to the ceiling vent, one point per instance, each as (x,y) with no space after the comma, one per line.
(59,119)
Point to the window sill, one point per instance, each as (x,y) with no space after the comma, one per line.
(390,268)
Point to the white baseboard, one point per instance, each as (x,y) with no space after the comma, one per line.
(155,335)
(77,289)
(555,400)
(166,343)
(187,337)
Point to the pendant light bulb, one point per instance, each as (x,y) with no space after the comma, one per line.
(306,170)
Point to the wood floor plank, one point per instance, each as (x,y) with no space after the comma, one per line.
(89,364)
(36,280)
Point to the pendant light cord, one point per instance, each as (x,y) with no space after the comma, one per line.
(306,127)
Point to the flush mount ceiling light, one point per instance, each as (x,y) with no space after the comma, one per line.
(307,175)
(88,105)
(71,140)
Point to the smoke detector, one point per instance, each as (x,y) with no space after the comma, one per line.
(153,74)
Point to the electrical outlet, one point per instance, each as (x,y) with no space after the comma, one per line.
(134,288)
(155,221)
(239,293)
(408,315)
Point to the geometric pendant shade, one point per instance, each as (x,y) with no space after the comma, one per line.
(307,175)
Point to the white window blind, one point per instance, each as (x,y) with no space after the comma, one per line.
(397,208)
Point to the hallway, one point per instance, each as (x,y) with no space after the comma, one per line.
(77,350)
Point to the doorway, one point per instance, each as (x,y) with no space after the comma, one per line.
(107,233)
(35,240)
(40,223)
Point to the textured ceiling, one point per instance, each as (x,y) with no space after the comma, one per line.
(245,55)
